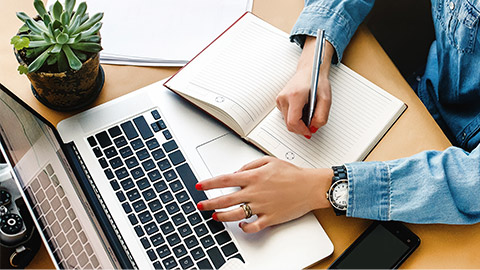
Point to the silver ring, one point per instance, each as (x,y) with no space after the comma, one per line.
(248,211)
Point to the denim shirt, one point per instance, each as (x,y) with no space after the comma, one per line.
(432,186)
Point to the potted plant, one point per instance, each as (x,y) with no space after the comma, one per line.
(58,51)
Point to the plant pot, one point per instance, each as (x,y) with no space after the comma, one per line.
(69,90)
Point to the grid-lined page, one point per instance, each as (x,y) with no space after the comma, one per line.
(360,115)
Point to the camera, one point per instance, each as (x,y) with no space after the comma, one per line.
(19,238)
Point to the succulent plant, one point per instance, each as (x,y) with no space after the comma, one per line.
(59,39)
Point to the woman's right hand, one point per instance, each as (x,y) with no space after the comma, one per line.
(294,96)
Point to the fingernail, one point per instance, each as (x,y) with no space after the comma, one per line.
(313,129)
(308,136)
(198,186)
(200,206)
(241,224)
(214,216)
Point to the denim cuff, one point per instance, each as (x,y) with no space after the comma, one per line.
(338,29)
(369,190)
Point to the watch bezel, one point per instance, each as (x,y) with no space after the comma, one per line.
(330,195)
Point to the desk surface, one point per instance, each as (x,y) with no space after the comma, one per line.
(442,246)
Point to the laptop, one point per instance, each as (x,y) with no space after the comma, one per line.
(113,187)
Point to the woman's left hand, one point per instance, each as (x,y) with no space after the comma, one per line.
(275,190)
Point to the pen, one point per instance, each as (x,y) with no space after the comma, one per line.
(317,61)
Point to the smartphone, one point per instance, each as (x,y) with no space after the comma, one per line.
(384,245)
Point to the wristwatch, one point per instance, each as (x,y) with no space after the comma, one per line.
(337,195)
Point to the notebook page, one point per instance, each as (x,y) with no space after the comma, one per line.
(242,72)
(360,115)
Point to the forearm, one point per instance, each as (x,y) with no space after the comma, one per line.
(305,63)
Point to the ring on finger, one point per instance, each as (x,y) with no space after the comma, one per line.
(248,211)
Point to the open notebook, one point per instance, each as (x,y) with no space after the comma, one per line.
(238,76)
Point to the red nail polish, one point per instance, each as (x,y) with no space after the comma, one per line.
(240,225)
(308,136)
(198,186)
(313,129)
(200,206)
(214,216)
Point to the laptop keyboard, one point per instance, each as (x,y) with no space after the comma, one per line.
(62,228)
(156,188)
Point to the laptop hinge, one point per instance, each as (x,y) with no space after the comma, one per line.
(117,246)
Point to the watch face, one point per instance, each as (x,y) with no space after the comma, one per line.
(339,194)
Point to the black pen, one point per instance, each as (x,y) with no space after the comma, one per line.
(317,61)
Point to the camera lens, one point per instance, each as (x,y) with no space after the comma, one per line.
(5,197)
(11,223)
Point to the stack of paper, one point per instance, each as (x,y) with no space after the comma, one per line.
(161,32)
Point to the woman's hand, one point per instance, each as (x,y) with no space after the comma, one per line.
(292,99)
(275,190)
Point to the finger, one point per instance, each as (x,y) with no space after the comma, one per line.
(283,107)
(322,111)
(222,201)
(256,226)
(222,181)
(256,163)
(232,215)
(294,120)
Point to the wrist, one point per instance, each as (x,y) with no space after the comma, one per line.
(305,62)
(321,180)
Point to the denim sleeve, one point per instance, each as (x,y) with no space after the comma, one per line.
(339,18)
(430,187)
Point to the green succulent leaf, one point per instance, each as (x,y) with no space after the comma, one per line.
(74,25)
(24,28)
(62,62)
(34,26)
(38,63)
(34,37)
(91,38)
(22,69)
(52,59)
(47,19)
(56,24)
(80,55)
(22,16)
(34,52)
(73,60)
(57,10)
(65,18)
(84,18)
(47,38)
(69,5)
(87,47)
(39,43)
(57,48)
(91,22)
(40,7)
(20,42)
(62,38)
(93,30)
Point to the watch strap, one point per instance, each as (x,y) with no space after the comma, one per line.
(339,173)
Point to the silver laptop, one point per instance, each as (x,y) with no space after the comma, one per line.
(114,187)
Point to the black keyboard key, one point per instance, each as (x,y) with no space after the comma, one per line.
(200,230)
(129,130)
(103,139)
(109,174)
(137,173)
(204,264)
(215,226)
(151,255)
(161,125)
(143,183)
(149,194)
(114,131)
(133,195)
(157,239)
(142,154)
(154,205)
(151,228)
(143,127)
(152,144)
(166,197)
(158,154)
(163,251)
(155,127)
(139,231)
(127,208)
(176,157)
(179,251)
(206,214)
(91,141)
(198,253)
(133,219)
(131,162)
(155,114)
(194,219)
(145,217)
(169,263)
(164,164)
(179,219)
(148,164)
(176,186)
(190,181)
(157,265)
(186,262)
(170,146)
(121,196)
(115,185)
(191,242)
(145,243)
(207,241)
(160,186)
(137,144)
(110,152)
(223,238)
(120,141)
(116,163)
(173,239)
(154,175)
(172,208)
(170,175)
(139,206)
(216,257)
(167,228)
(188,208)
(160,217)
(98,153)
(229,249)
(167,134)
(127,184)
(238,256)
(182,196)
(103,163)
(185,229)
(121,173)
(126,152)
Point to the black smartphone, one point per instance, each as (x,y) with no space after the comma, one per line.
(383,245)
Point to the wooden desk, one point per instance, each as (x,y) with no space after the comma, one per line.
(442,246)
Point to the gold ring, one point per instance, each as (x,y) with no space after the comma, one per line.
(248,211)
